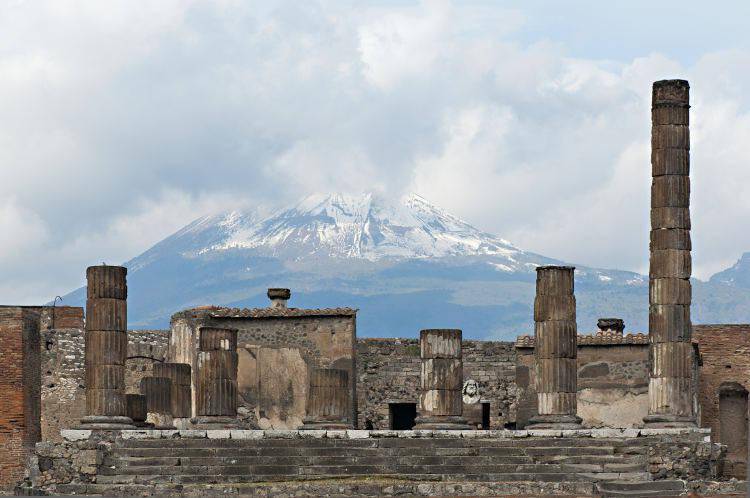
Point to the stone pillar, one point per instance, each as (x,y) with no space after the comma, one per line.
(670,389)
(106,347)
(158,393)
(179,374)
(328,400)
(556,349)
(440,398)
(216,394)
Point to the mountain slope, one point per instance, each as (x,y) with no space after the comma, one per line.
(407,265)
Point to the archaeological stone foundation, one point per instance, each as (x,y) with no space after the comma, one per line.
(284,401)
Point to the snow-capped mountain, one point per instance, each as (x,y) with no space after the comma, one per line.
(406,264)
(346,226)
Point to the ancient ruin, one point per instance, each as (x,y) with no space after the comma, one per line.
(106,348)
(556,350)
(285,401)
(670,382)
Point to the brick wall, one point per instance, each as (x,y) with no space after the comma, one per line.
(725,354)
(19,391)
(388,371)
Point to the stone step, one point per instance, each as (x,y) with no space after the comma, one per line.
(663,488)
(380,442)
(372,458)
(338,488)
(539,451)
(445,477)
(368,467)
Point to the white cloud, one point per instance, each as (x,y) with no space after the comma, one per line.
(122,122)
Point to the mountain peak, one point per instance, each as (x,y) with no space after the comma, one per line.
(366,226)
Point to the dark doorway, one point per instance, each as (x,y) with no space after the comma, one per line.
(485,416)
(402,415)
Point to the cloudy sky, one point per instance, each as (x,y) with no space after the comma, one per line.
(122,121)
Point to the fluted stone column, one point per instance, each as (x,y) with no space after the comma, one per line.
(556,349)
(137,409)
(216,393)
(670,389)
(442,378)
(158,393)
(106,347)
(328,400)
(179,374)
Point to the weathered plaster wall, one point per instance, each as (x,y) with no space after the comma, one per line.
(276,352)
(612,384)
(389,372)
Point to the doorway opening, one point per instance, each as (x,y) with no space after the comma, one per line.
(402,416)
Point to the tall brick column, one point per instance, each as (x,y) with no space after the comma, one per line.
(216,394)
(106,348)
(556,349)
(440,399)
(328,400)
(670,390)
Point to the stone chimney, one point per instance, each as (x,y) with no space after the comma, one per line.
(616,325)
(279,297)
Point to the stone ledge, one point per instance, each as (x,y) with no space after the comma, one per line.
(80,435)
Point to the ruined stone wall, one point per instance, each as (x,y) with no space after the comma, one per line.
(612,384)
(275,356)
(145,347)
(63,388)
(388,371)
(725,356)
(20,401)
(63,385)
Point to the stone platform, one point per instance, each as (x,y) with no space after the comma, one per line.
(597,462)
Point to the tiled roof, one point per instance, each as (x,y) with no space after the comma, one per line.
(220,312)
(597,339)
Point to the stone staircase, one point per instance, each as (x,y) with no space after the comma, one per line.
(377,466)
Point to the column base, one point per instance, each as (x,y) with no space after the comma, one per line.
(143,425)
(214,423)
(318,424)
(666,421)
(106,423)
(438,422)
(556,422)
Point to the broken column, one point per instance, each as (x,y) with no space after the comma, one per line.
(158,393)
(670,389)
(216,393)
(440,398)
(556,349)
(328,400)
(106,345)
(179,374)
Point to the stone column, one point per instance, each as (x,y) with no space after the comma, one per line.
(179,374)
(137,409)
(158,393)
(216,394)
(106,347)
(440,398)
(556,349)
(670,390)
(328,400)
